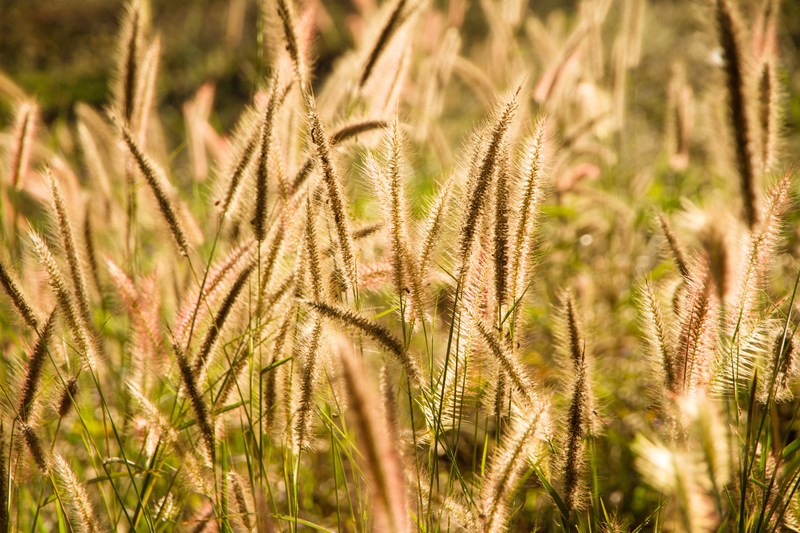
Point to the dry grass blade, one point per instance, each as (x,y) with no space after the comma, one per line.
(381,461)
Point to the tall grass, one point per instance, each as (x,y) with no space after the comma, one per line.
(352,324)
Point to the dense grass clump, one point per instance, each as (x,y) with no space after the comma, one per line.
(455,280)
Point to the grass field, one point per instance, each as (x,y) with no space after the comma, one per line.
(416,266)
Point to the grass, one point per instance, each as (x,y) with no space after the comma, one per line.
(461,281)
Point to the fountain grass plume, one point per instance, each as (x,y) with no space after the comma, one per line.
(394,21)
(161,190)
(24,133)
(675,245)
(212,335)
(310,378)
(373,330)
(481,180)
(68,396)
(336,196)
(37,451)
(79,290)
(508,363)
(382,463)
(74,492)
(33,375)
(75,321)
(730,38)
(657,333)
(262,175)
(506,468)
(14,291)
(340,135)
(204,419)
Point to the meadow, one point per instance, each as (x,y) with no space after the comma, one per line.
(412,266)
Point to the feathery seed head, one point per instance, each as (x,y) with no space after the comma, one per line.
(35,368)
(161,188)
(382,463)
(68,397)
(14,292)
(24,134)
(730,39)
(482,178)
(76,496)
